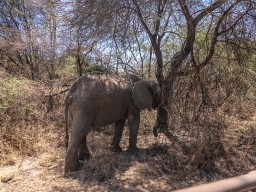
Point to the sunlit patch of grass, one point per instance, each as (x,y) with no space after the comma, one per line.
(47,158)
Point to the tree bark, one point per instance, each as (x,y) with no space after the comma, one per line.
(150,63)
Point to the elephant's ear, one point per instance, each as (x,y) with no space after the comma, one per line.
(141,95)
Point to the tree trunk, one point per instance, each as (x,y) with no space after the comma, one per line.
(162,122)
(53,38)
(160,63)
(79,66)
(150,63)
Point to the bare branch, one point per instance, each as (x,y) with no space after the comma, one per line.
(139,13)
(216,34)
(209,9)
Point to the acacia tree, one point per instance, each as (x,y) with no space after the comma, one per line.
(163,21)
(221,17)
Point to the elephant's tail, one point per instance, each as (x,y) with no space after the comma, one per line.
(66,121)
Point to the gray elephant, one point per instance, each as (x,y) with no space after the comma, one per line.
(97,100)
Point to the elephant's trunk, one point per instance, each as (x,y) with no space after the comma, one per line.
(161,121)
(161,125)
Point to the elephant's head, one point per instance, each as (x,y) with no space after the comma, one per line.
(146,94)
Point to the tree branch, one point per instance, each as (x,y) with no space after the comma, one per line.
(160,10)
(216,35)
(139,13)
(209,9)
(185,10)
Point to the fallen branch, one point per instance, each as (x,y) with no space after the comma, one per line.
(54,94)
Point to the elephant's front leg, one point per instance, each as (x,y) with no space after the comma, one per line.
(134,123)
(118,131)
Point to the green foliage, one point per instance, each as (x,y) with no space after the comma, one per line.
(13,97)
(69,66)
(8,88)
(94,68)
(11,84)
(70,60)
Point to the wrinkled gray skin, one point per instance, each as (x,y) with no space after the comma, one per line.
(97,100)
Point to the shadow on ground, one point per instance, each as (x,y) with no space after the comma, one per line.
(157,168)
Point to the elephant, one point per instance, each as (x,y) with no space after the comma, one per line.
(98,100)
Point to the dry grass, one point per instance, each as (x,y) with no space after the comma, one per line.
(32,149)
(24,121)
(18,110)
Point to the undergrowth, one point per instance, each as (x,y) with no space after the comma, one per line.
(21,107)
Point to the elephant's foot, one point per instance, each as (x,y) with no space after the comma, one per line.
(132,150)
(72,163)
(75,166)
(116,148)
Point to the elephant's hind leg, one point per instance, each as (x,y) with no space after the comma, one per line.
(80,127)
(83,152)
(118,131)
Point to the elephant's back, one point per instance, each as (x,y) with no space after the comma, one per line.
(101,82)
(102,90)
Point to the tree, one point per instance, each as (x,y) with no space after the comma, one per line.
(220,18)
(18,35)
(29,29)
(51,18)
